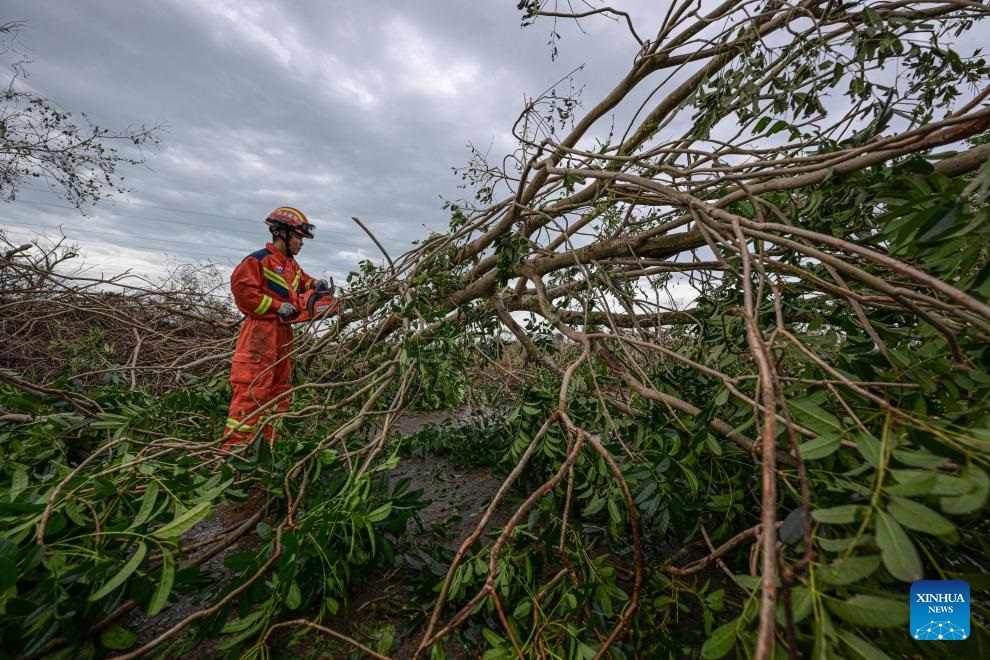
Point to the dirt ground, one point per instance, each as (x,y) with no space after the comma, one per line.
(213,571)
(458,497)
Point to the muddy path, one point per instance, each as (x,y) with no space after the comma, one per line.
(379,604)
(236,518)
(458,494)
(458,497)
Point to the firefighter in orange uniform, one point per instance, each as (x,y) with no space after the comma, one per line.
(267,287)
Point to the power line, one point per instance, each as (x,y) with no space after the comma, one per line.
(145,248)
(126,215)
(123,236)
(318,260)
(172,222)
(188,212)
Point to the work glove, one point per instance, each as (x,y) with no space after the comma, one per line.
(287,311)
(323,285)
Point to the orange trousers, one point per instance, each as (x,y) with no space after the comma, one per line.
(260,372)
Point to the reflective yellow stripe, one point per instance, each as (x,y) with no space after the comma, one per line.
(234,424)
(295,282)
(309,284)
(276,278)
(266,302)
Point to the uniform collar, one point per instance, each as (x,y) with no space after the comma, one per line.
(278,255)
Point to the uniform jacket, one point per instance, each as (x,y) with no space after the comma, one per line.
(264,281)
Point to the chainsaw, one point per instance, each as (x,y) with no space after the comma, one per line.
(317,303)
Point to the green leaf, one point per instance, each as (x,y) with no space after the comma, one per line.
(820,447)
(118,638)
(384,637)
(946,484)
(213,492)
(584,652)
(293,599)
(237,641)
(872,18)
(871,611)
(8,573)
(594,506)
(72,511)
(125,572)
(839,515)
(613,512)
(455,583)
(898,553)
(750,582)
(243,624)
(849,571)
(148,501)
(823,632)
(919,459)
(264,531)
(816,418)
(911,482)
(948,218)
(859,647)
(778,126)
(843,544)
(977,438)
(792,530)
(182,523)
(691,477)
(721,642)
(164,588)
(381,513)
(802,604)
(722,397)
(109,421)
(972,501)
(18,483)
(918,517)
(869,448)
(493,638)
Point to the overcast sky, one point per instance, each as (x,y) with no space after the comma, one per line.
(339,108)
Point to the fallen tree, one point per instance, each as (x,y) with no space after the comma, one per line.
(759,324)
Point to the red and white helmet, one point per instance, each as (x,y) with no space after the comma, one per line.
(286,217)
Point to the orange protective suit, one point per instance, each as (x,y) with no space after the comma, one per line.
(260,369)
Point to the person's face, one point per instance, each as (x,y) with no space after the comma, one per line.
(295,244)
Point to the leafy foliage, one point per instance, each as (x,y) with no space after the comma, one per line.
(38,140)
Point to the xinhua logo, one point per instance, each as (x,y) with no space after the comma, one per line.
(940,610)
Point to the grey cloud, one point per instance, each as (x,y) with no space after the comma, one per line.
(339,108)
